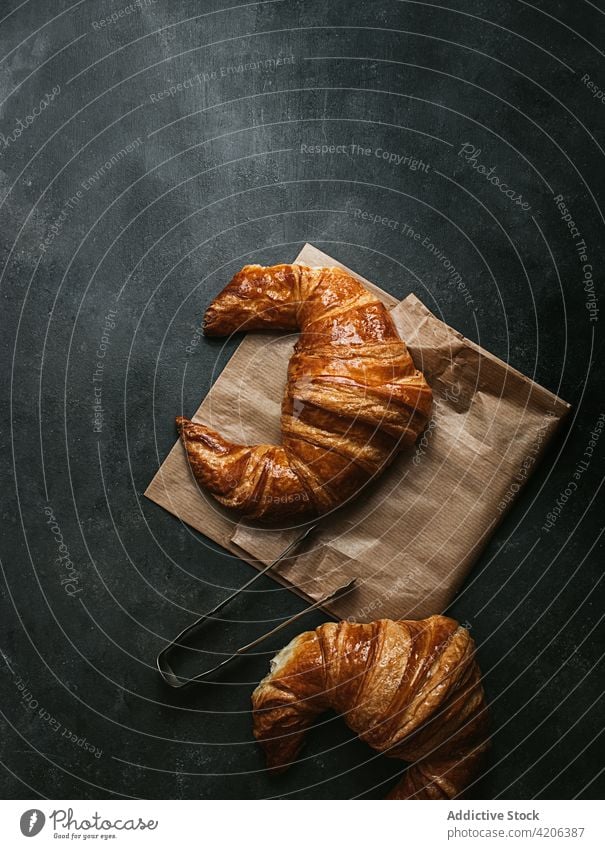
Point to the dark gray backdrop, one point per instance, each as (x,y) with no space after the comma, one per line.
(116,197)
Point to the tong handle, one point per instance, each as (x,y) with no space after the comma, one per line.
(164,668)
(282,625)
(166,671)
(175,682)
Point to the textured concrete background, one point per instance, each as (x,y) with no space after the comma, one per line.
(123,210)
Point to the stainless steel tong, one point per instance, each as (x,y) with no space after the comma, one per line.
(176,681)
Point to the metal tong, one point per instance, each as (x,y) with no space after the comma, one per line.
(162,660)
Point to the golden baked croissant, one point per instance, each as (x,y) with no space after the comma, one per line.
(353,395)
(410,689)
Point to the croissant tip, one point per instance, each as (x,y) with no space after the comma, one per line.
(209,322)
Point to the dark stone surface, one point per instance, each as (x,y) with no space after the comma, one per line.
(219,179)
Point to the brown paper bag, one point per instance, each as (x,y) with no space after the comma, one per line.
(412,536)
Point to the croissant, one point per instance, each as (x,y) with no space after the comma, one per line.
(410,689)
(353,396)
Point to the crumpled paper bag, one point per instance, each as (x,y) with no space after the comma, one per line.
(413,535)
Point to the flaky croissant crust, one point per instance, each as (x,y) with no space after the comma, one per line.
(353,396)
(410,689)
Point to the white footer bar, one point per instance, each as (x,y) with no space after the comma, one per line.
(300,824)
